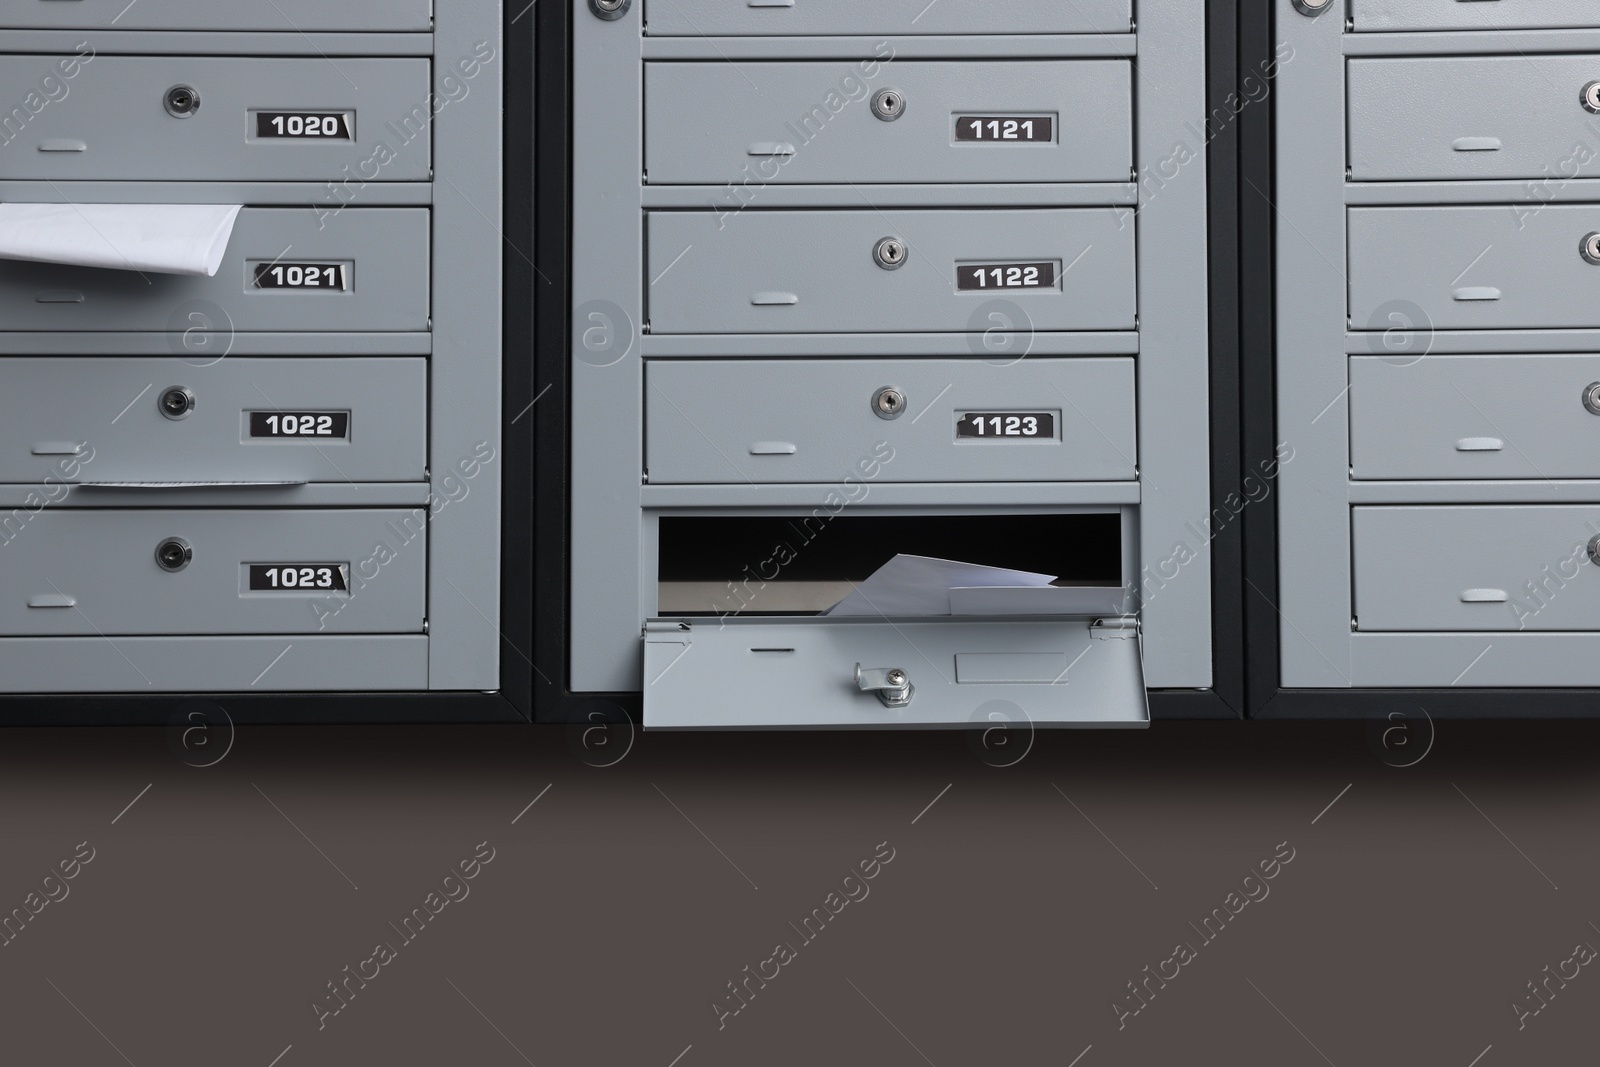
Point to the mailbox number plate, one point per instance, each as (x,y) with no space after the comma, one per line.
(1006,129)
(1006,425)
(326,277)
(300,425)
(303,125)
(972,277)
(298,577)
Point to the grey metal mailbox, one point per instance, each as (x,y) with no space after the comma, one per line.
(286,476)
(853,282)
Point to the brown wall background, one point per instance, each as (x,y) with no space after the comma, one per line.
(1019,902)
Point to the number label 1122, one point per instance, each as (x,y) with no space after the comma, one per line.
(976,277)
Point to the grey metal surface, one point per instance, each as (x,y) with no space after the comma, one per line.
(387,250)
(1504,416)
(204,664)
(811,421)
(79,571)
(774,17)
(107,120)
(466,431)
(801,673)
(1177,518)
(1313,602)
(1471,14)
(892,345)
(201,345)
(287,16)
(254,193)
(1478,117)
(787,271)
(813,122)
(1480,568)
(109,409)
(1511,266)
(1473,660)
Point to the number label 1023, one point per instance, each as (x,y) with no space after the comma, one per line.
(1006,426)
(298,577)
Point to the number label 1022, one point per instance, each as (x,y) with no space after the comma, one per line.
(1006,426)
(300,425)
(298,577)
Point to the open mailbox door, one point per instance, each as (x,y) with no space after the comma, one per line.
(796,672)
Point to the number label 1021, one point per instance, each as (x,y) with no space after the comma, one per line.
(1006,426)
(318,277)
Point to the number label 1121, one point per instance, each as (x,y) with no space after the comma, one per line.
(1006,129)
(1007,426)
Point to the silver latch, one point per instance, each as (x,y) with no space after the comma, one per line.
(892,685)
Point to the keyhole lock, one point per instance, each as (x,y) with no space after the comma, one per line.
(1312,8)
(888,403)
(1591,248)
(610,10)
(173,554)
(1594,549)
(888,104)
(182,101)
(1591,97)
(1591,398)
(890,253)
(176,402)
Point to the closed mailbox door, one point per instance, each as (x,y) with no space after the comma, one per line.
(1019,121)
(122,419)
(825,272)
(1473,14)
(287,16)
(1472,117)
(1506,416)
(370,268)
(203,118)
(1513,266)
(952,421)
(77,571)
(1476,568)
(698,18)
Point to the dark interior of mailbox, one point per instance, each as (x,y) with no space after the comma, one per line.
(803,564)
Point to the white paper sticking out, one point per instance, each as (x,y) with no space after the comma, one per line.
(1033,600)
(154,238)
(921,585)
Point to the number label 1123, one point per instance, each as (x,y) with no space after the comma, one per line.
(1006,426)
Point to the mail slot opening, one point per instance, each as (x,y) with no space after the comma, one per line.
(805,563)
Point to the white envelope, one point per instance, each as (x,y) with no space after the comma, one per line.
(158,238)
